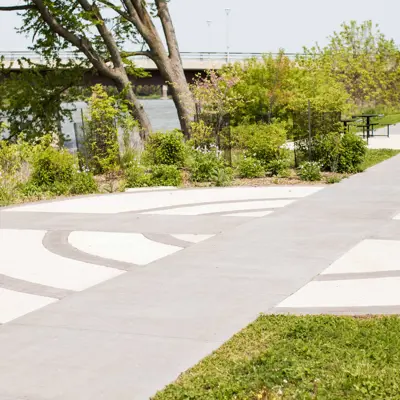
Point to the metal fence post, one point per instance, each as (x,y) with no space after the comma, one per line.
(309,131)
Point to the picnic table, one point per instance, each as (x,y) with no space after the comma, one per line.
(347,122)
(368,126)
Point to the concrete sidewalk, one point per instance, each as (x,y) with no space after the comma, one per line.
(128,337)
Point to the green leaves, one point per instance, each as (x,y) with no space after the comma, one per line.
(364,61)
(31,99)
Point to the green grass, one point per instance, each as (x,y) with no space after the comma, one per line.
(376,156)
(391,119)
(288,357)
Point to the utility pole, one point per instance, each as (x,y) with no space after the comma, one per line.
(227,12)
(209,23)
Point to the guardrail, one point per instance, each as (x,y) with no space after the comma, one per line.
(11,56)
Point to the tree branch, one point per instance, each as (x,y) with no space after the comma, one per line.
(148,54)
(82,43)
(168,28)
(104,32)
(17,8)
(115,8)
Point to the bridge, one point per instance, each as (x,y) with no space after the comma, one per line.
(191,61)
(193,64)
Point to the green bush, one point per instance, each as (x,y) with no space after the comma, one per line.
(339,153)
(165,149)
(327,150)
(165,175)
(202,135)
(310,171)
(136,176)
(353,152)
(261,141)
(249,167)
(54,170)
(333,179)
(83,183)
(278,167)
(205,164)
(222,176)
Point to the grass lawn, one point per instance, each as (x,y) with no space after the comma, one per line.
(391,119)
(311,357)
(376,156)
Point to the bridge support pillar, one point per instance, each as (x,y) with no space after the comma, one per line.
(164,92)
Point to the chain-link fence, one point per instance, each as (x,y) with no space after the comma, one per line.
(309,124)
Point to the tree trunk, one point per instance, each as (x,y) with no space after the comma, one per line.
(136,108)
(183,99)
(173,74)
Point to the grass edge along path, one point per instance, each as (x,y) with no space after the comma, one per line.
(307,357)
(376,156)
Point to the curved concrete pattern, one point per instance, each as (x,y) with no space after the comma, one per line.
(142,201)
(16,304)
(127,247)
(36,264)
(36,289)
(368,275)
(166,239)
(250,214)
(192,238)
(223,207)
(347,293)
(57,243)
(368,256)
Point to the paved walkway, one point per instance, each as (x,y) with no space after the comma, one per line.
(112,297)
(381,141)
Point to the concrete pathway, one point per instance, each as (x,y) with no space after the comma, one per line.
(130,290)
(381,141)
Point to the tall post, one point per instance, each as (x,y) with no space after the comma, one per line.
(209,23)
(309,131)
(227,12)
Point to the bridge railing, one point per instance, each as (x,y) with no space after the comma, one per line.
(12,56)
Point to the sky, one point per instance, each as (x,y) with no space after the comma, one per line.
(254,26)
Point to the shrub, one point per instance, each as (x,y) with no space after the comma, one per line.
(278,167)
(222,176)
(166,175)
(310,171)
(353,152)
(327,150)
(202,135)
(249,167)
(333,179)
(83,183)
(205,164)
(101,145)
(136,176)
(166,149)
(261,141)
(54,170)
(339,153)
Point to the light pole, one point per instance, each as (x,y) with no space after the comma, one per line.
(227,12)
(209,23)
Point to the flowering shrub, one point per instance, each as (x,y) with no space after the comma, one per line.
(205,164)
(310,171)
(278,167)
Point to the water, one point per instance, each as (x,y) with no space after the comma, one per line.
(162,114)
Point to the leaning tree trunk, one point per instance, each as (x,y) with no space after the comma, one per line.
(181,95)
(136,108)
